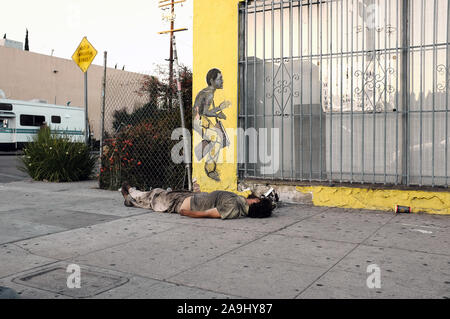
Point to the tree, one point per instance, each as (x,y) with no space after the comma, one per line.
(158,89)
(27,48)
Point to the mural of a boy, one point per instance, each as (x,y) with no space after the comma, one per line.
(207,123)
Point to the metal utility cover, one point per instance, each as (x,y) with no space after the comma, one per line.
(55,280)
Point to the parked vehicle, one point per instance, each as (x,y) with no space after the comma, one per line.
(20,120)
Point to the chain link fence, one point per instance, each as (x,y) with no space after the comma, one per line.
(141,112)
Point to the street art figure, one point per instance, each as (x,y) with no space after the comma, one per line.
(207,123)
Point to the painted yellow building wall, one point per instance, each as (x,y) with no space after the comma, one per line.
(215,45)
(382,199)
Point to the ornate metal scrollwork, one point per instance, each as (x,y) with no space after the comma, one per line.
(282,87)
(374,79)
(445,72)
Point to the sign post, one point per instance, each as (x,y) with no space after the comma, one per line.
(83,57)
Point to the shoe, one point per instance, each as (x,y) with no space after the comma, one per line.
(125,189)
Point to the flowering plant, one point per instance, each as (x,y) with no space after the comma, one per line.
(139,154)
(56,158)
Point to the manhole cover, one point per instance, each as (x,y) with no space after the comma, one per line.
(55,280)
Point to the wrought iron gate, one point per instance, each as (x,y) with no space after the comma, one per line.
(345,91)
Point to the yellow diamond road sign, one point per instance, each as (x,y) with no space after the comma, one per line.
(84,55)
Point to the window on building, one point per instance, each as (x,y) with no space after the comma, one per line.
(353,91)
(56,119)
(6,107)
(31,120)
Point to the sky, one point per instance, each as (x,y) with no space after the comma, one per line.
(128,30)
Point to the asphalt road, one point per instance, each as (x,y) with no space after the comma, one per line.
(8,169)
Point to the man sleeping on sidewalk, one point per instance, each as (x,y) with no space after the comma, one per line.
(218,204)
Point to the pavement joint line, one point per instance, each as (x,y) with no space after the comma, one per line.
(11,176)
(104,248)
(243,245)
(116,245)
(205,289)
(28,251)
(66,230)
(352,250)
(406,249)
(322,239)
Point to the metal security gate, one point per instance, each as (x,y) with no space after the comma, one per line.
(344,91)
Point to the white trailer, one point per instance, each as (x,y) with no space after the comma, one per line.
(20,120)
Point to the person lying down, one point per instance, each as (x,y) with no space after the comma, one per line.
(217,204)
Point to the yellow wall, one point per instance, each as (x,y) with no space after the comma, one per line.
(215,40)
(383,199)
(215,46)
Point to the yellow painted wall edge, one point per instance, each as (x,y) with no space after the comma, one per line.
(215,45)
(382,199)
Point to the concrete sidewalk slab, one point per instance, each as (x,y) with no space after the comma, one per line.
(425,220)
(338,284)
(168,253)
(15,259)
(67,219)
(110,206)
(429,239)
(301,251)
(81,188)
(43,283)
(94,238)
(50,281)
(25,292)
(281,219)
(12,230)
(165,290)
(340,225)
(251,277)
(403,273)
(55,278)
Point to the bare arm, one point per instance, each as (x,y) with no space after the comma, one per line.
(214,112)
(210,213)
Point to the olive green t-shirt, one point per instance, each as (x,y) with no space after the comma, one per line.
(228,204)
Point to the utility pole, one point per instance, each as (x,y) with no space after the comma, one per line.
(164,4)
(172,25)
(174,58)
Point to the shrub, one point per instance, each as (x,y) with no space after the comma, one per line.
(56,158)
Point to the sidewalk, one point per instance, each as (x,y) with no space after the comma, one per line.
(302,252)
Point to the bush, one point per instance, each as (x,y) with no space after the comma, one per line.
(56,158)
